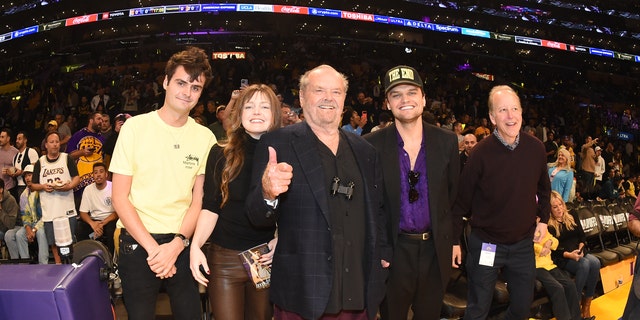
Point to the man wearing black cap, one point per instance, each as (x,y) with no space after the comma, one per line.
(420,166)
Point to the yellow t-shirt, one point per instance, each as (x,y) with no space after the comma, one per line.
(163,162)
(545,262)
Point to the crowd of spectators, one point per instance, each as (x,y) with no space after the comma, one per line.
(562,110)
(570,104)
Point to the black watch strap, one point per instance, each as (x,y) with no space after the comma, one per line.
(185,240)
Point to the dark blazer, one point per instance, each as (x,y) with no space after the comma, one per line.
(443,169)
(302,267)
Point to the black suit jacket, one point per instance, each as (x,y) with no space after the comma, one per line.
(443,169)
(302,267)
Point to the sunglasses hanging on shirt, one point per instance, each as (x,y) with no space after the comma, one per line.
(414,195)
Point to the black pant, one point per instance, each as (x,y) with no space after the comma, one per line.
(562,293)
(517,262)
(140,286)
(414,281)
(84,230)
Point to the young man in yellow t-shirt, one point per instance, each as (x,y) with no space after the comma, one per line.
(158,169)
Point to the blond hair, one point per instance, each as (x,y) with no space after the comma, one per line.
(567,155)
(567,218)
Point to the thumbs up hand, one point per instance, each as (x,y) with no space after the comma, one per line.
(276,177)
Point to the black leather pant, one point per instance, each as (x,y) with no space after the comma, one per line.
(232,294)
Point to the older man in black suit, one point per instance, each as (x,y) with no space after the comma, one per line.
(323,188)
(420,165)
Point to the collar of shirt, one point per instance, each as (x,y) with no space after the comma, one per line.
(509,146)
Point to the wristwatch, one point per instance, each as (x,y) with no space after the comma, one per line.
(185,240)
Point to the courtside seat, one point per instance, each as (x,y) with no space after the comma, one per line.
(628,205)
(455,298)
(608,232)
(619,213)
(500,292)
(591,227)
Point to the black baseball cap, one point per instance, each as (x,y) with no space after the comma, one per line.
(402,75)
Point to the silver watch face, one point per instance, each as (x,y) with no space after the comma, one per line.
(186,242)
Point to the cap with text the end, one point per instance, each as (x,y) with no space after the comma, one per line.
(402,75)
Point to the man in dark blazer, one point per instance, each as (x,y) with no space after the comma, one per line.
(323,189)
(420,165)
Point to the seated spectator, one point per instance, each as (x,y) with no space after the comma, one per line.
(31,216)
(295,115)
(611,188)
(356,123)
(570,254)
(8,210)
(482,129)
(218,127)
(287,115)
(97,216)
(384,120)
(629,186)
(557,284)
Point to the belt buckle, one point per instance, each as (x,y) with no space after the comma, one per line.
(426,236)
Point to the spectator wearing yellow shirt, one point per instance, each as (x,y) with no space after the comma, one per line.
(560,288)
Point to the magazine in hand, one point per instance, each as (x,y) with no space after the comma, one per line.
(261,275)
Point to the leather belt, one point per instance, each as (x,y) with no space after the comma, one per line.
(416,236)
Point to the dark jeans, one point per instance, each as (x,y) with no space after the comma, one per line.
(562,293)
(587,272)
(140,286)
(414,281)
(232,294)
(517,262)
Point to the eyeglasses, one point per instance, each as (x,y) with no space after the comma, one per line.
(414,176)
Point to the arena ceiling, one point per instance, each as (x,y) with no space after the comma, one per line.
(610,26)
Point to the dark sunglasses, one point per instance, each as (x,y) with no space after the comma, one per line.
(414,176)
